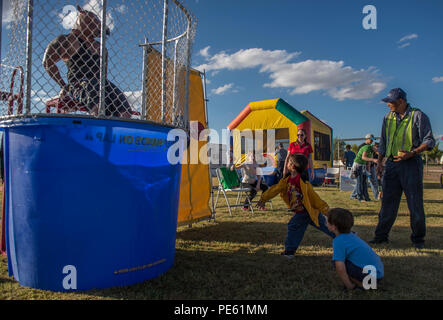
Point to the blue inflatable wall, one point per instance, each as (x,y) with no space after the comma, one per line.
(90,203)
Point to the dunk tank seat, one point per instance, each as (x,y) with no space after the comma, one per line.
(67,104)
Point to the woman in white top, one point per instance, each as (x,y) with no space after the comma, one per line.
(250,179)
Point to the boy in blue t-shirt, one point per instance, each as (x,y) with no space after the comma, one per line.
(350,253)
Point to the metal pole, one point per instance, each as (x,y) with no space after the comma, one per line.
(426,163)
(29,55)
(164,38)
(101,109)
(338,152)
(1,27)
(174,94)
(146,50)
(207,125)
(188,63)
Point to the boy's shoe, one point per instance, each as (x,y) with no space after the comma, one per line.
(262,209)
(245,209)
(378,241)
(419,246)
(288,254)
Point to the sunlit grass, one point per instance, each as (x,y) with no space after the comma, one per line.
(239,258)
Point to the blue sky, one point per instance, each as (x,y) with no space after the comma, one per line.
(316,55)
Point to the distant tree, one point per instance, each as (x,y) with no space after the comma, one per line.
(340,148)
(435,154)
(354,148)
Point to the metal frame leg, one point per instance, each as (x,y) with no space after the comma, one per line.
(216,199)
(227,202)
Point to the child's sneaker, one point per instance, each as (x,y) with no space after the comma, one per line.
(288,254)
(245,209)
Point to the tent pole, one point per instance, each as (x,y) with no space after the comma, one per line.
(207,124)
(338,152)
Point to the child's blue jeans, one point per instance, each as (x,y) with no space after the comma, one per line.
(297,227)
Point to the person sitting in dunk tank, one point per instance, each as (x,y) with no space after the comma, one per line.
(81,53)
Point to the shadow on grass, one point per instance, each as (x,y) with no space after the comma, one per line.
(254,233)
(425,201)
(431,185)
(433,201)
(218,276)
(6,280)
(263,233)
(253,269)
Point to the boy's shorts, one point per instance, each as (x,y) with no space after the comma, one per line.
(354,271)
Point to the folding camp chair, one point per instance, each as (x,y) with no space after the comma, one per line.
(228,181)
(256,201)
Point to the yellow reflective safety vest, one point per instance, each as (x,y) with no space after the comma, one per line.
(399,138)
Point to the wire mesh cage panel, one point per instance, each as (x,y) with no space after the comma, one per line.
(101,58)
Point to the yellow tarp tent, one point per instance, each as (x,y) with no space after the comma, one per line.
(195,185)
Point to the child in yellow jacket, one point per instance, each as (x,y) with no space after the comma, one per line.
(301,198)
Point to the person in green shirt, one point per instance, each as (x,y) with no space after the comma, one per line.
(363,156)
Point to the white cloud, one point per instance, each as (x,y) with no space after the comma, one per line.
(204,52)
(223,89)
(339,81)
(333,77)
(437,79)
(404,45)
(248,58)
(122,9)
(408,37)
(8,13)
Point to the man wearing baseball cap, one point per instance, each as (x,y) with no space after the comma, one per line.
(406,133)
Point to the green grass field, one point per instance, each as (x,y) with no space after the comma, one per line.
(239,258)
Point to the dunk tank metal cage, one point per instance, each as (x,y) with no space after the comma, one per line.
(88,95)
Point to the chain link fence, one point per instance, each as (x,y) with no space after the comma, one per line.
(105,59)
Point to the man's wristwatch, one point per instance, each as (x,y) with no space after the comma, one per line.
(414,152)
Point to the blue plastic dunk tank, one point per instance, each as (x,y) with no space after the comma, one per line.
(90,196)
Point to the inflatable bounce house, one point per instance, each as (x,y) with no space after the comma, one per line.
(91,197)
(277,114)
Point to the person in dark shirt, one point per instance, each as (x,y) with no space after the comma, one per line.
(281,155)
(406,133)
(348,157)
(81,53)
